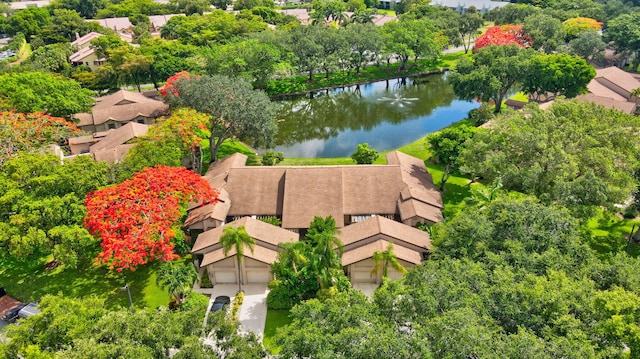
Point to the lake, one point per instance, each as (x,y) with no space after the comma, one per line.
(384,114)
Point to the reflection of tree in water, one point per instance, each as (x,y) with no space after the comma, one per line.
(357,108)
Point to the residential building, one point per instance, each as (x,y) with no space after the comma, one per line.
(85,54)
(373,205)
(115,110)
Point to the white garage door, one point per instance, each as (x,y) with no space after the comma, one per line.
(362,277)
(262,276)
(225,277)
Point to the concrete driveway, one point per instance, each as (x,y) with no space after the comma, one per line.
(253,312)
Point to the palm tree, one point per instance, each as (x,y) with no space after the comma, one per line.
(177,278)
(385,259)
(292,252)
(326,260)
(236,238)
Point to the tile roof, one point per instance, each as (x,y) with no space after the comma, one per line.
(374,226)
(367,251)
(122,106)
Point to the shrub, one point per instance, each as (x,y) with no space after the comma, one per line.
(279,298)
(205,281)
(364,154)
(481,115)
(271,158)
(272,220)
(630,212)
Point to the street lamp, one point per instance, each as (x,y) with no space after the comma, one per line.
(126,287)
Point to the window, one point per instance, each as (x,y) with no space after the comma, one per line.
(111,126)
(141,121)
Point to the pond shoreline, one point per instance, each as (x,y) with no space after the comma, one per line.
(320,89)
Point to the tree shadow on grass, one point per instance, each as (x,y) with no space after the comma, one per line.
(28,280)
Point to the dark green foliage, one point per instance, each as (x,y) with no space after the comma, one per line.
(577,154)
(273,220)
(446,145)
(630,212)
(364,154)
(481,115)
(205,281)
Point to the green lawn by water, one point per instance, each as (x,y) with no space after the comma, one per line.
(29,281)
(275,320)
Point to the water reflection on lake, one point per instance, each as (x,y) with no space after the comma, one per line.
(385,114)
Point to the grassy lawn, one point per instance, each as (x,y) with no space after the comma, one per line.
(609,233)
(29,281)
(275,319)
(520,96)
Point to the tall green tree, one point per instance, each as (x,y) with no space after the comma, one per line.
(492,72)
(29,21)
(624,31)
(43,92)
(327,250)
(546,32)
(576,153)
(86,8)
(412,38)
(236,110)
(446,145)
(552,75)
(237,239)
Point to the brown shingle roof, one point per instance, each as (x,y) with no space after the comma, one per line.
(261,254)
(120,136)
(370,189)
(217,173)
(367,251)
(414,208)
(112,155)
(419,182)
(256,191)
(122,106)
(218,210)
(624,106)
(356,232)
(618,77)
(86,39)
(260,231)
(310,192)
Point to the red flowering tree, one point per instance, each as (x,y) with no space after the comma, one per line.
(503,35)
(29,132)
(136,219)
(170,86)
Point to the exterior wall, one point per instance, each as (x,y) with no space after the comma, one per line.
(226,271)
(91,61)
(205,225)
(360,272)
(79,148)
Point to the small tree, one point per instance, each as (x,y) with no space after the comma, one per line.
(446,146)
(364,154)
(177,278)
(272,158)
(385,259)
(237,238)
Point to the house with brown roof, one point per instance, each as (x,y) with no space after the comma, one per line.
(372,205)
(109,146)
(118,109)
(611,88)
(256,264)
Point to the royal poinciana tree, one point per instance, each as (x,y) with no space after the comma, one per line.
(503,35)
(28,132)
(136,219)
(236,109)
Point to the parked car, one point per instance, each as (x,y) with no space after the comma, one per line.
(221,302)
(12,314)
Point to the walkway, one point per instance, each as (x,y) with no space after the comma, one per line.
(253,312)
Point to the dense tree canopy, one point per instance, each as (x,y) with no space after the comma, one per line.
(43,92)
(576,153)
(235,109)
(490,74)
(136,219)
(503,35)
(556,74)
(41,208)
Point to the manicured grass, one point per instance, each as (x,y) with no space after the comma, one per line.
(520,96)
(609,233)
(275,319)
(387,12)
(29,280)
(317,161)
